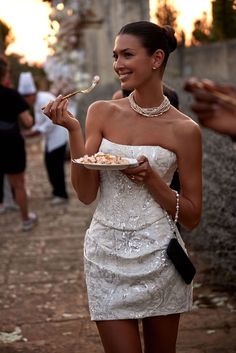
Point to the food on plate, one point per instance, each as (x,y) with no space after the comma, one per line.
(102,158)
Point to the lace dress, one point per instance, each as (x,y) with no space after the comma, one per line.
(128,274)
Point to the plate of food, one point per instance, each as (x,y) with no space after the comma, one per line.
(105,161)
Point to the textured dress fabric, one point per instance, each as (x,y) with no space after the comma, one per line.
(128,273)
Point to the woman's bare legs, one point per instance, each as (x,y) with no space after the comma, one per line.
(160,333)
(120,336)
(17,181)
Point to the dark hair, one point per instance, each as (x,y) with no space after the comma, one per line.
(3,67)
(172,95)
(126,92)
(152,36)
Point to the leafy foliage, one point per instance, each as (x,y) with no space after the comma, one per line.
(223,23)
(224,19)
(6,36)
(166,14)
(16,67)
(15,61)
(201,32)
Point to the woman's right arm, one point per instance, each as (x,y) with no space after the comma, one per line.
(84,181)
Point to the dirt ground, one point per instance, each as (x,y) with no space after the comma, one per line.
(43,302)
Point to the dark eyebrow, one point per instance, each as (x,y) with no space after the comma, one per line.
(123,50)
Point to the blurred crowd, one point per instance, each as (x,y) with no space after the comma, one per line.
(22,117)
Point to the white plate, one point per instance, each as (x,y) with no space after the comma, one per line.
(131,162)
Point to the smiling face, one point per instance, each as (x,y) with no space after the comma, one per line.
(132,63)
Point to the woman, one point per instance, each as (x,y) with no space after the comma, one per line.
(128,274)
(12,146)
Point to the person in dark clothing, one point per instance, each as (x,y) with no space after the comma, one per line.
(12,146)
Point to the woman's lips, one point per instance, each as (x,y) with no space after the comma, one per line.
(124,77)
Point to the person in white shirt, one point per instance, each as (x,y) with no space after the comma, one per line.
(55,137)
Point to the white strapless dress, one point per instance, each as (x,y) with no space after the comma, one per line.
(128,273)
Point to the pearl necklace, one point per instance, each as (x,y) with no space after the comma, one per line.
(149,112)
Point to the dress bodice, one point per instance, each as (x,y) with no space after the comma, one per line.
(123,204)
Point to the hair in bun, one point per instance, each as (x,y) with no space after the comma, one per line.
(170,33)
(152,36)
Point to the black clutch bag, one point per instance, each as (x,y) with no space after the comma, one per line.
(181,261)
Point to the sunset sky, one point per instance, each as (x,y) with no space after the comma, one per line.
(30,25)
(189,10)
(29,22)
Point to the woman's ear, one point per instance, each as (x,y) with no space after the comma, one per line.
(158,58)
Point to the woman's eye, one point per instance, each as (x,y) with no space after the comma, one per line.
(114,56)
(127,55)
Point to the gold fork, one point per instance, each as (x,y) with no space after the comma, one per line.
(94,83)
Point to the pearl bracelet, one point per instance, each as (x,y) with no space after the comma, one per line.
(177,207)
(170,220)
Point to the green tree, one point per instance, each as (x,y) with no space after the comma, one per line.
(224,19)
(223,23)
(6,36)
(202,30)
(166,14)
(17,66)
(15,60)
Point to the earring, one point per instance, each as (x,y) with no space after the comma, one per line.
(154,68)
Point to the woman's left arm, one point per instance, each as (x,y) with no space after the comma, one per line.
(190,174)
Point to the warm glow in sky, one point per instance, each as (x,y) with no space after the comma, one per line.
(188,12)
(30,26)
(29,22)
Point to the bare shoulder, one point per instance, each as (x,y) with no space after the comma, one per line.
(185,127)
(97,106)
(103,106)
(100,112)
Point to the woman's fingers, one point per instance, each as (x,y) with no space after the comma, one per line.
(142,159)
(57,110)
(138,174)
(47,108)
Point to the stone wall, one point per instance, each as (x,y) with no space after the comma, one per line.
(110,16)
(215,61)
(215,236)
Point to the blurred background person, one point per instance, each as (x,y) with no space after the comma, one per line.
(12,146)
(214,105)
(55,137)
(7,199)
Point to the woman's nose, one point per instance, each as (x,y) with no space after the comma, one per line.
(119,63)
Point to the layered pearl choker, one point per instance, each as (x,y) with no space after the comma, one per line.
(149,112)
